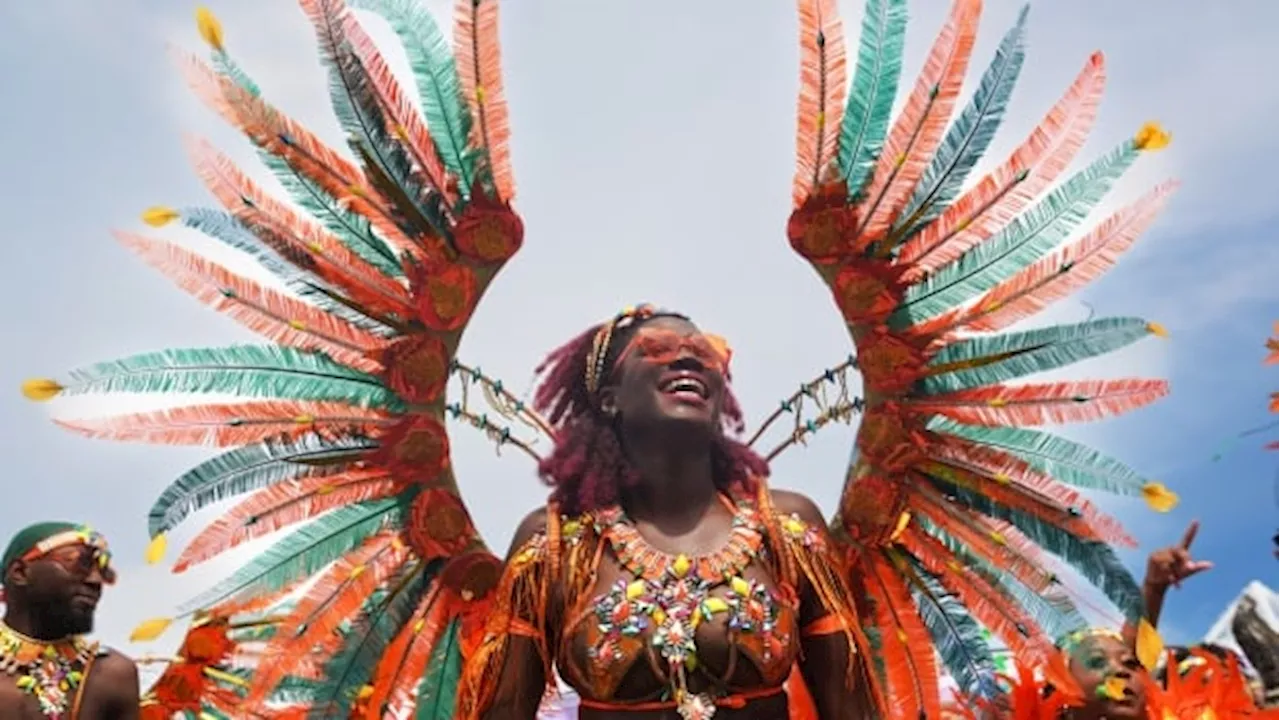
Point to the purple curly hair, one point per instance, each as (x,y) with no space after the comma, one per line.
(587,468)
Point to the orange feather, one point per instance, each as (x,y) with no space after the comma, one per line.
(991,606)
(996,199)
(1061,274)
(340,32)
(479,59)
(1043,403)
(967,527)
(273,315)
(336,596)
(304,152)
(225,425)
(919,128)
(299,240)
(822,93)
(396,678)
(911,674)
(278,506)
(1011,481)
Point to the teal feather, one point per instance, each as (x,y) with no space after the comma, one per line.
(306,551)
(351,229)
(356,106)
(436,74)
(295,690)
(875,85)
(1096,561)
(224,65)
(956,635)
(1019,244)
(248,468)
(971,133)
(1030,352)
(380,620)
(250,371)
(228,229)
(1065,460)
(438,689)
(1055,613)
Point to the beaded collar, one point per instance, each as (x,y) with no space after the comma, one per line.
(50,671)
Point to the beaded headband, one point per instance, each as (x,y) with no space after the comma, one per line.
(599,354)
(1073,640)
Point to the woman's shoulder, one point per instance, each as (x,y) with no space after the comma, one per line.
(544,521)
(528,532)
(788,503)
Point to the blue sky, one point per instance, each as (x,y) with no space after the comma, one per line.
(658,136)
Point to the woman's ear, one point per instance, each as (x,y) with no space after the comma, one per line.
(608,401)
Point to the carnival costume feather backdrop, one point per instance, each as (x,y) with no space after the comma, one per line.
(374,600)
(1273,358)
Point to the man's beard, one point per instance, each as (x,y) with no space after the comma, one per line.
(63,619)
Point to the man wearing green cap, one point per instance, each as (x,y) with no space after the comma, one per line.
(53,574)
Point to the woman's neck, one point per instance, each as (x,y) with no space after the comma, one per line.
(676,486)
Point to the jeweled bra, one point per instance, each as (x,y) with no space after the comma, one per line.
(670,596)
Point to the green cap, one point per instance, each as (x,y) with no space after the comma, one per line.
(28,537)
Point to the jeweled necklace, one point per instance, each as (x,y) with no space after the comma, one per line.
(672,594)
(50,671)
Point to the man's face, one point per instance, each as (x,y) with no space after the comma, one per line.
(63,586)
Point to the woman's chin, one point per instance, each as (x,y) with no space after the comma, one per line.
(682,410)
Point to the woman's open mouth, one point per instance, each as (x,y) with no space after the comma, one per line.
(686,386)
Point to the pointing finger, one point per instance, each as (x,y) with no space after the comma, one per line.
(1190,535)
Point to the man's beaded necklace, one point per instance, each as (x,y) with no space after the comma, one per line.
(50,671)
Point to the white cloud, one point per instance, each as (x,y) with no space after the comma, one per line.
(652,148)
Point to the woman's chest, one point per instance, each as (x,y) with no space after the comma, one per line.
(737,630)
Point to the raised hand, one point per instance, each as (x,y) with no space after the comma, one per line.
(1171,565)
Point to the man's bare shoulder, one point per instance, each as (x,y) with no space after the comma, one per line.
(115,666)
(114,686)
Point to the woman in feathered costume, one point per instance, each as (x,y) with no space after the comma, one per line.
(663,575)
(953,512)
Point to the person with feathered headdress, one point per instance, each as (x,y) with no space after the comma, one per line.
(385,599)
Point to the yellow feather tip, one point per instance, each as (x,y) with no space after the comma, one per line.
(41,389)
(1152,137)
(159,216)
(1159,498)
(1157,329)
(156,549)
(903,521)
(209,27)
(150,629)
(1149,645)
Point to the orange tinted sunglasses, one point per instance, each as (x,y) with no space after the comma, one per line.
(663,347)
(80,560)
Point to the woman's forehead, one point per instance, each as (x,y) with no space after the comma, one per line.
(671,322)
(1104,643)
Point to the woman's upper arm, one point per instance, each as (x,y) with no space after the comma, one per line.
(521,678)
(827,658)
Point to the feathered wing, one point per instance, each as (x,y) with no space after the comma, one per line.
(1273,357)
(952,494)
(335,429)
